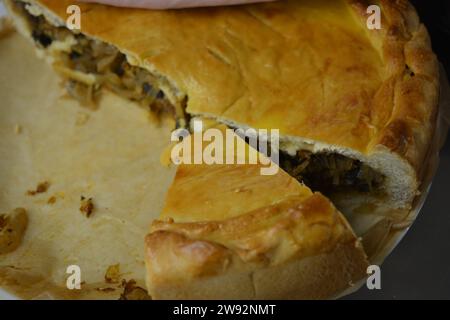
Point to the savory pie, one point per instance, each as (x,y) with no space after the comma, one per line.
(228,232)
(356,108)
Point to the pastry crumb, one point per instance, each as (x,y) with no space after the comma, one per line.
(132,292)
(87,206)
(41,188)
(17,129)
(170,220)
(112,274)
(107,289)
(6,26)
(51,200)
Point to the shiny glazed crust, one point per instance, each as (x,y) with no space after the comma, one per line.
(228,232)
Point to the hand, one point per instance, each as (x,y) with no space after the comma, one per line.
(173,4)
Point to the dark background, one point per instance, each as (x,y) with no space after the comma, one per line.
(419,268)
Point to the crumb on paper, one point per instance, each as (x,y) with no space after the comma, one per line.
(17,129)
(12,229)
(3,221)
(170,220)
(16,268)
(55,197)
(6,26)
(107,289)
(132,292)
(112,274)
(87,206)
(41,188)
(51,200)
(82,118)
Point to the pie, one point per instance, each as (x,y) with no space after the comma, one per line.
(228,232)
(356,109)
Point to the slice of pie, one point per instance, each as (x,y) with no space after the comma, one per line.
(228,232)
(355,107)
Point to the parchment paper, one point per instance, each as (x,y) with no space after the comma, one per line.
(111,155)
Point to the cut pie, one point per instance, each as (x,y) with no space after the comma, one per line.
(228,232)
(356,108)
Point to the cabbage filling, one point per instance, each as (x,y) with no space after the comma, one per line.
(329,172)
(89,65)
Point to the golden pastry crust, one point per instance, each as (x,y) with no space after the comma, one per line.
(224,226)
(306,235)
(405,105)
(195,197)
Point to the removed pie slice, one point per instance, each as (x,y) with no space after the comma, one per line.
(228,232)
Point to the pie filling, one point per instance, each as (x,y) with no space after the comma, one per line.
(330,173)
(88,65)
